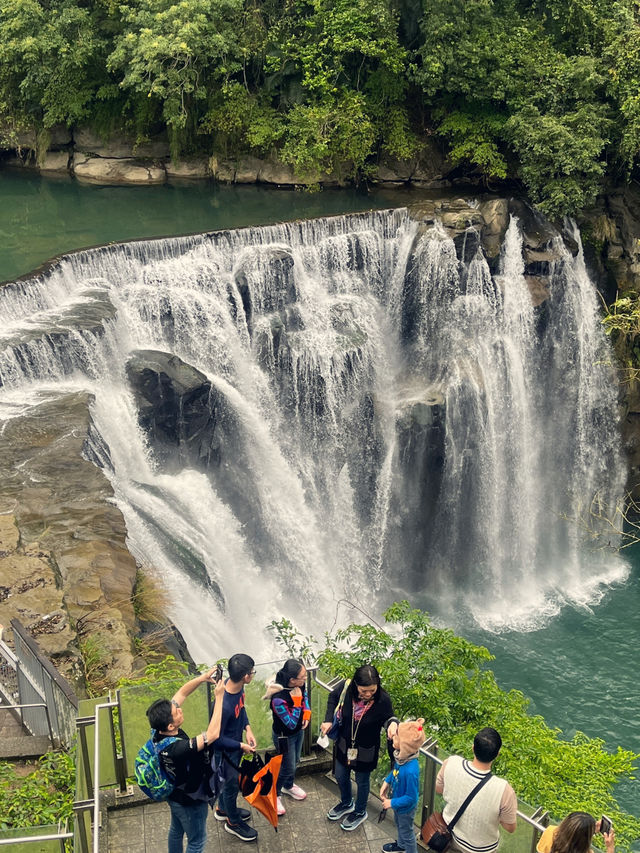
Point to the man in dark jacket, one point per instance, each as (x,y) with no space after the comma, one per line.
(186,762)
(231,744)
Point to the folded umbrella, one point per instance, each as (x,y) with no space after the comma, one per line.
(264,795)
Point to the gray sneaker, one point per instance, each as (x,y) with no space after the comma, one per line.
(340,810)
(353,820)
(242,831)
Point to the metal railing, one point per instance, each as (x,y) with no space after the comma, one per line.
(23,708)
(28,679)
(61,836)
(88,775)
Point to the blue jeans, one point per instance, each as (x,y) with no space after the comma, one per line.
(190,821)
(289,760)
(343,778)
(406,831)
(229,792)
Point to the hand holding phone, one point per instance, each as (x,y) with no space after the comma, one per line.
(218,674)
(605,825)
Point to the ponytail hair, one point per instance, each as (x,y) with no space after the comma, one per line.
(290,670)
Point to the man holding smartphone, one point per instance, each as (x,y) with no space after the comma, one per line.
(186,762)
(233,728)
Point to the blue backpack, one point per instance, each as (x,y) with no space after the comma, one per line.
(150,774)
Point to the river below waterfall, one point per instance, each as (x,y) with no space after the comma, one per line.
(563,624)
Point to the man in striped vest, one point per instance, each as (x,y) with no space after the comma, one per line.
(495,804)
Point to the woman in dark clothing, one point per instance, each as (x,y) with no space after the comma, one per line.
(291,714)
(365,711)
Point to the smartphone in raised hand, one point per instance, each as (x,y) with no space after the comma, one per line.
(605,825)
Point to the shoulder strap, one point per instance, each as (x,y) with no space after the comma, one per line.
(343,694)
(158,746)
(470,796)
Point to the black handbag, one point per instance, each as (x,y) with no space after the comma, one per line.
(436,834)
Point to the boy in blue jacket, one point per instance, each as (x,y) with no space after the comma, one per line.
(401,788)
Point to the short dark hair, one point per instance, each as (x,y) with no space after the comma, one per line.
(239,666)
(486,744)
(365,676)
(159,715)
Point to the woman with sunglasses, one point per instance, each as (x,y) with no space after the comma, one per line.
(365,710)
(291,714)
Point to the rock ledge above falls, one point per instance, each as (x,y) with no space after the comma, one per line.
(66,572)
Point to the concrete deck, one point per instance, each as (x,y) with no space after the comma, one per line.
(143,828)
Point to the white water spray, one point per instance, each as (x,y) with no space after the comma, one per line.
(403,423)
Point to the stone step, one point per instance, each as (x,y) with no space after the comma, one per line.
(29,746)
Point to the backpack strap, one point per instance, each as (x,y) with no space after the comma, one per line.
(470,796)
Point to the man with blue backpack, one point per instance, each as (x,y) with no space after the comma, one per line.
(177,768)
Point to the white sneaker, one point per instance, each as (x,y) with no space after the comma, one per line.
(296,792)
(280,808)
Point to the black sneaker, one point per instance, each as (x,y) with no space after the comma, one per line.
(242,831)
(353,820)
(244,814)
(392,847)
(340,810)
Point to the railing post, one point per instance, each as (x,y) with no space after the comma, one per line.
(429,784)
(542,817)
(117,758)
(123,748)
(82,829)
(46,710)
(81,724)
(306,743)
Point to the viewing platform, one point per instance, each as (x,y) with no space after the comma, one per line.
(143,827)
(111,815)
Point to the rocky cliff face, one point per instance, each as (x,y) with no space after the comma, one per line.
(119,159)
(65,570)
(611,234)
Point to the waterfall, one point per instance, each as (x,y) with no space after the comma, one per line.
(372,413)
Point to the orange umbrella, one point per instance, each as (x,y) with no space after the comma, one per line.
(264,796)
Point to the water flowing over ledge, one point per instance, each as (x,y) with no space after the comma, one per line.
(354,407)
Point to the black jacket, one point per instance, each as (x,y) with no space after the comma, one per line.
(189,769)
(367,738)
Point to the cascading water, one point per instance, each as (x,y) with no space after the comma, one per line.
(368,416)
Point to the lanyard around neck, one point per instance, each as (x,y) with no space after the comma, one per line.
(354,733)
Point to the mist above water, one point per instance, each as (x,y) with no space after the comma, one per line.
(388,417)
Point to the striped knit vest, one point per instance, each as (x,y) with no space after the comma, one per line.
(478,830)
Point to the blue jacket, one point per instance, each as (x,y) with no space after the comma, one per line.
(404,780)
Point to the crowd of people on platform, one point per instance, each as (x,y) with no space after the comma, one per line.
(476,802)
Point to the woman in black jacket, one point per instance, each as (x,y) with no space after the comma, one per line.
(366,710)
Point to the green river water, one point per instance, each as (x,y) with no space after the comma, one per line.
(578,669)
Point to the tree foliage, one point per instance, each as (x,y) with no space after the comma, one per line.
(432,673)
(43,796)
(546,92)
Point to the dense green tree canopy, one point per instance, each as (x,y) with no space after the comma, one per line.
(546,92)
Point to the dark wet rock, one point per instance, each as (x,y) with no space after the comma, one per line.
(467,244)
(179,408)
(420,429)
(191,424)
(266,282)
